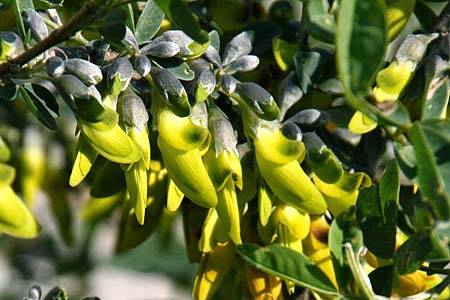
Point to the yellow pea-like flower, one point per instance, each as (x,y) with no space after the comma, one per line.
(212,269)
(276,156)
(315,246)
(15,218)
(263,286)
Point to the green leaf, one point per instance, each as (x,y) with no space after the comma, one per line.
(377,212)
(180,69)
(378,226)
(382,280)
(319,22)
(306,65)
(284,53)
(149,22)
(432,147)
(288,265)
(361,42)
(413,252)
(425,15)
(436,106)
(179,13)
(25,4)
(389,186)
(38,109)
(343,230)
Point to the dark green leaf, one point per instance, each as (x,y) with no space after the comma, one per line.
(178,68)
(361,41)
(113,27)
(287,264)
(38,109)
(389,187)
(382,279)
(425,15)
(108,180)
(378,221)
(149,22)
(412,253)
(180,14)
(45,91)
(432,148)
(343,230)
(8,91)
(56,293)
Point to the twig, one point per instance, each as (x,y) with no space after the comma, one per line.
(84,16)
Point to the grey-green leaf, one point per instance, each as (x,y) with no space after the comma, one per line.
(239,46)
(86,71)
(149,22)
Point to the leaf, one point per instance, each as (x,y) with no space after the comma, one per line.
(109,180)
(284,53)
(436,106)
(378,226)
(288,265)
(306,65)
(432,148)
(46,92)
(382,280)
(179,13)
(389,186)
(113,26)
(425,15)
(149,22)
(343,230)
(319,22)
(180,69)
(361,42)
(413,252)
(38,109)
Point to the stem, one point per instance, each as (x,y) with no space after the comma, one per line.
(86,15)
(435,270)
(358,273)
(19,20)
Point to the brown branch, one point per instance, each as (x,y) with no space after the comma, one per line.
(84,16)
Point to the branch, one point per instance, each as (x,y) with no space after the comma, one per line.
(83,17)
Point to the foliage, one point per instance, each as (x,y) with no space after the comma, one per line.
(305,144)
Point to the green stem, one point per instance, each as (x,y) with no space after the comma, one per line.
(19,21)
(435,270)
(358,273)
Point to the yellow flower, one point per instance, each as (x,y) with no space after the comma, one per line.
(277,156)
